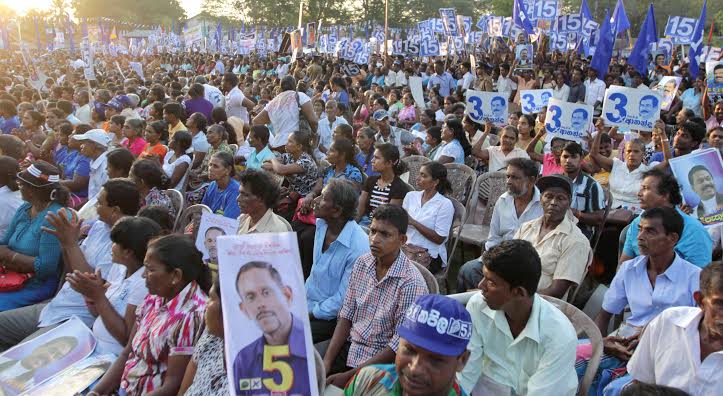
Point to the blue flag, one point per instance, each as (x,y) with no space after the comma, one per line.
(620,20)
(604,49)
(585,10)
(696,44)
(648,35)
(520,18)
(218,37)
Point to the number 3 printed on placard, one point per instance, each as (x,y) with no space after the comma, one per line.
(556,113)
(476,112)
(620,102)
(530,102)
(272,352)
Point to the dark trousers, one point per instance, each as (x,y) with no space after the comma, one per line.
(321,330)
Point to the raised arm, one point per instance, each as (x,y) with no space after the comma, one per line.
(602,161)
(531,148)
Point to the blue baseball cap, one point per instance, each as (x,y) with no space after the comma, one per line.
(438,324)
(120,102)
(380,115)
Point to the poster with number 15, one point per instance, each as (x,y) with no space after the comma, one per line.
(265,316)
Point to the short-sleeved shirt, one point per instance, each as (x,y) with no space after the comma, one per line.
(588,197)
(498,159)
(249,364)
(550,166)
(198,105)
(435,214)
(76,164)
(452,149)
(302,183)
(199,143)
(283,112)
(351,173)
(563,251)
(136,147)
(163,329)
(378,196)
(224,201)
(98,174)
(376,308)
(170,166)
(254,160)
(625,184)
(158,150)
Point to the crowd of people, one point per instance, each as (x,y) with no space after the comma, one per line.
(87,222)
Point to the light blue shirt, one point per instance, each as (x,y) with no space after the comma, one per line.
(67,303)
(445,81)
(254,160)
(329,278)
(691,100)
(631,286)
(694,246)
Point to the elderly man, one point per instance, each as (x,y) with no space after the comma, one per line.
(521,344)
(94,146)
(258,194)
(659,189)
(431,352)
(338,242)
(562,247)
(683,347)
(327,125)
(389,134)
(519,204)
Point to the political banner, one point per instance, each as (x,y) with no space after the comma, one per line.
(631,108)
(711,54)
(429,47)
(714,80)
(75,379)
(50,353)
(265,316)
(569,23)
(211,227)
(138,68)
(668,87)
(570,121)
(533,100)
(524,54)
(311,34)
(415,85)
(486,106)
(540,9)
(680,29)
(700,175)
(449,21)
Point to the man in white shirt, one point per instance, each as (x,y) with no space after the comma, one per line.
(282,68)
(237,104)
(95,146)
(518,205)
(83,112)
(327,126)
(504,83)
(594,89)
(521,344)
(467,80)
(211,93)
(683,346)
(396,76)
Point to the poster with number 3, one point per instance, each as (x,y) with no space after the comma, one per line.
(483,106)
(265,317)
(631,108)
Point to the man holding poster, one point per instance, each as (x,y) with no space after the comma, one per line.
(277,360)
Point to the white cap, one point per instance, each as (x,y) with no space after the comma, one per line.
(98,136)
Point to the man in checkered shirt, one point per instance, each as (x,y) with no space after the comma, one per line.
(383,284)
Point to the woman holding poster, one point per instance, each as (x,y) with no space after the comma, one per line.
(168,323)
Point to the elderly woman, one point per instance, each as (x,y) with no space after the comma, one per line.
(30,256)
(133,136)
(198,182)
(257,196)
(283,113)
(430,217)
(167,325)
(497,156)
(223,191)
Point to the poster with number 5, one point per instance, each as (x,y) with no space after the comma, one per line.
(483,106)
(631,108)
(570,121)
(265,316)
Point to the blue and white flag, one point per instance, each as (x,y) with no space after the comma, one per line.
(696,45)
(604,48)
(648,35)
(620,19)
(521,17)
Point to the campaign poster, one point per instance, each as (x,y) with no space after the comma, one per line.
(484,106)
(714,80)
(533,100)
(700,175)
(211,227)
(524,54)
(32,362)
(75,379)
(668,87)
(570,121)
(269,350)
(632,108)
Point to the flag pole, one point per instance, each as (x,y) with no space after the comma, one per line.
(386,29)
(301,11)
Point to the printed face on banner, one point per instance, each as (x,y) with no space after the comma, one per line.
(211,227)
(668,87)
(714,81)
(631,108)
(700,175)
(533,100)
(523,54)
(484,106)
(266,320)
(570,121)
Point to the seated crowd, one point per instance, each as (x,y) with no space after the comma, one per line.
(89,224)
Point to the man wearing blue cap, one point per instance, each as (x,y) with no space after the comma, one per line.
(433,342)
